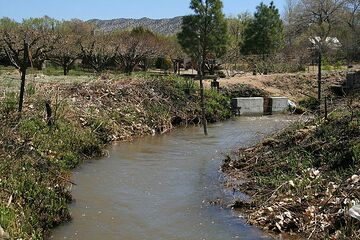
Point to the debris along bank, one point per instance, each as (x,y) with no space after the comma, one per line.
(304,180)
(38,151)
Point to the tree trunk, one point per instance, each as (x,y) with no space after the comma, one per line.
(129,68)
(202,105)
(146,64)
(202,97)
(326,109)
(22,88)
(175,66)
(23,75)
(49,118)
(66,69)
(39,66)
(319,76)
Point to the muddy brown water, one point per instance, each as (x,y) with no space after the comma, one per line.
(158,188)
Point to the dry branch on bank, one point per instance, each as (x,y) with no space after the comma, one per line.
(304,180)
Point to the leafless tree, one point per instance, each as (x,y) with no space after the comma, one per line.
(24,44)
(67,50)
(136,46)
(319,19)
(291,30)
(350,33)
(171,49)
(98,50)
(236,27)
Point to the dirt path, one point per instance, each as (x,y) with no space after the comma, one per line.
(294,86)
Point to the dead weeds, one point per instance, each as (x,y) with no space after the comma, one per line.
(304,180)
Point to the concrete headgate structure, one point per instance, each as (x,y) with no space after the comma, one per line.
(351,83)
(259,105)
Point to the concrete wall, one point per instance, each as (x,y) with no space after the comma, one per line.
(351,83)
(256,105)
(248,106)
(279,104)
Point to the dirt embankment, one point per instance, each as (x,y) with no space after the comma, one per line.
(303,181)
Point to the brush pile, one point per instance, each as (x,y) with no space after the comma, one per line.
(304,180)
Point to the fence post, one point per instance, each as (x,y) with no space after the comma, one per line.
(326,109)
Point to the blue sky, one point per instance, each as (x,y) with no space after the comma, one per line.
(109,9)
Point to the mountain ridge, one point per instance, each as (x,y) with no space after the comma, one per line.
(165,26)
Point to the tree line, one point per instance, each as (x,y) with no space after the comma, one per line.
(266,32)
(263,33)
(64,42)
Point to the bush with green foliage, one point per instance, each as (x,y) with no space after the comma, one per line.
(217,106)
(10,103)
(163,63)
(265,32)
(310,103)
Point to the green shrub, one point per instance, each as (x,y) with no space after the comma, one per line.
(356,152)
(69,160)
(64,143)
(189,86)
(10,103)
(39,198)
(332,66)
(310,103)
(100,126)
(30,89)
(7,216)
(163,63)
(30,127)
(217,106)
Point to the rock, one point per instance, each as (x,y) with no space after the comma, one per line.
(239,204)
(3,234)
(301,134)
(354,179)
(270,142)
(355,212)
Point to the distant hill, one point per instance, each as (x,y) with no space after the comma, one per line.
(166,26)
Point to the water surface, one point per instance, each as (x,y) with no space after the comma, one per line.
(157,188)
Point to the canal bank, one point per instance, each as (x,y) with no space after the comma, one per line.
(39,148)
(303,181)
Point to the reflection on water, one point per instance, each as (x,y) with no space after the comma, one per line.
(157,187)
